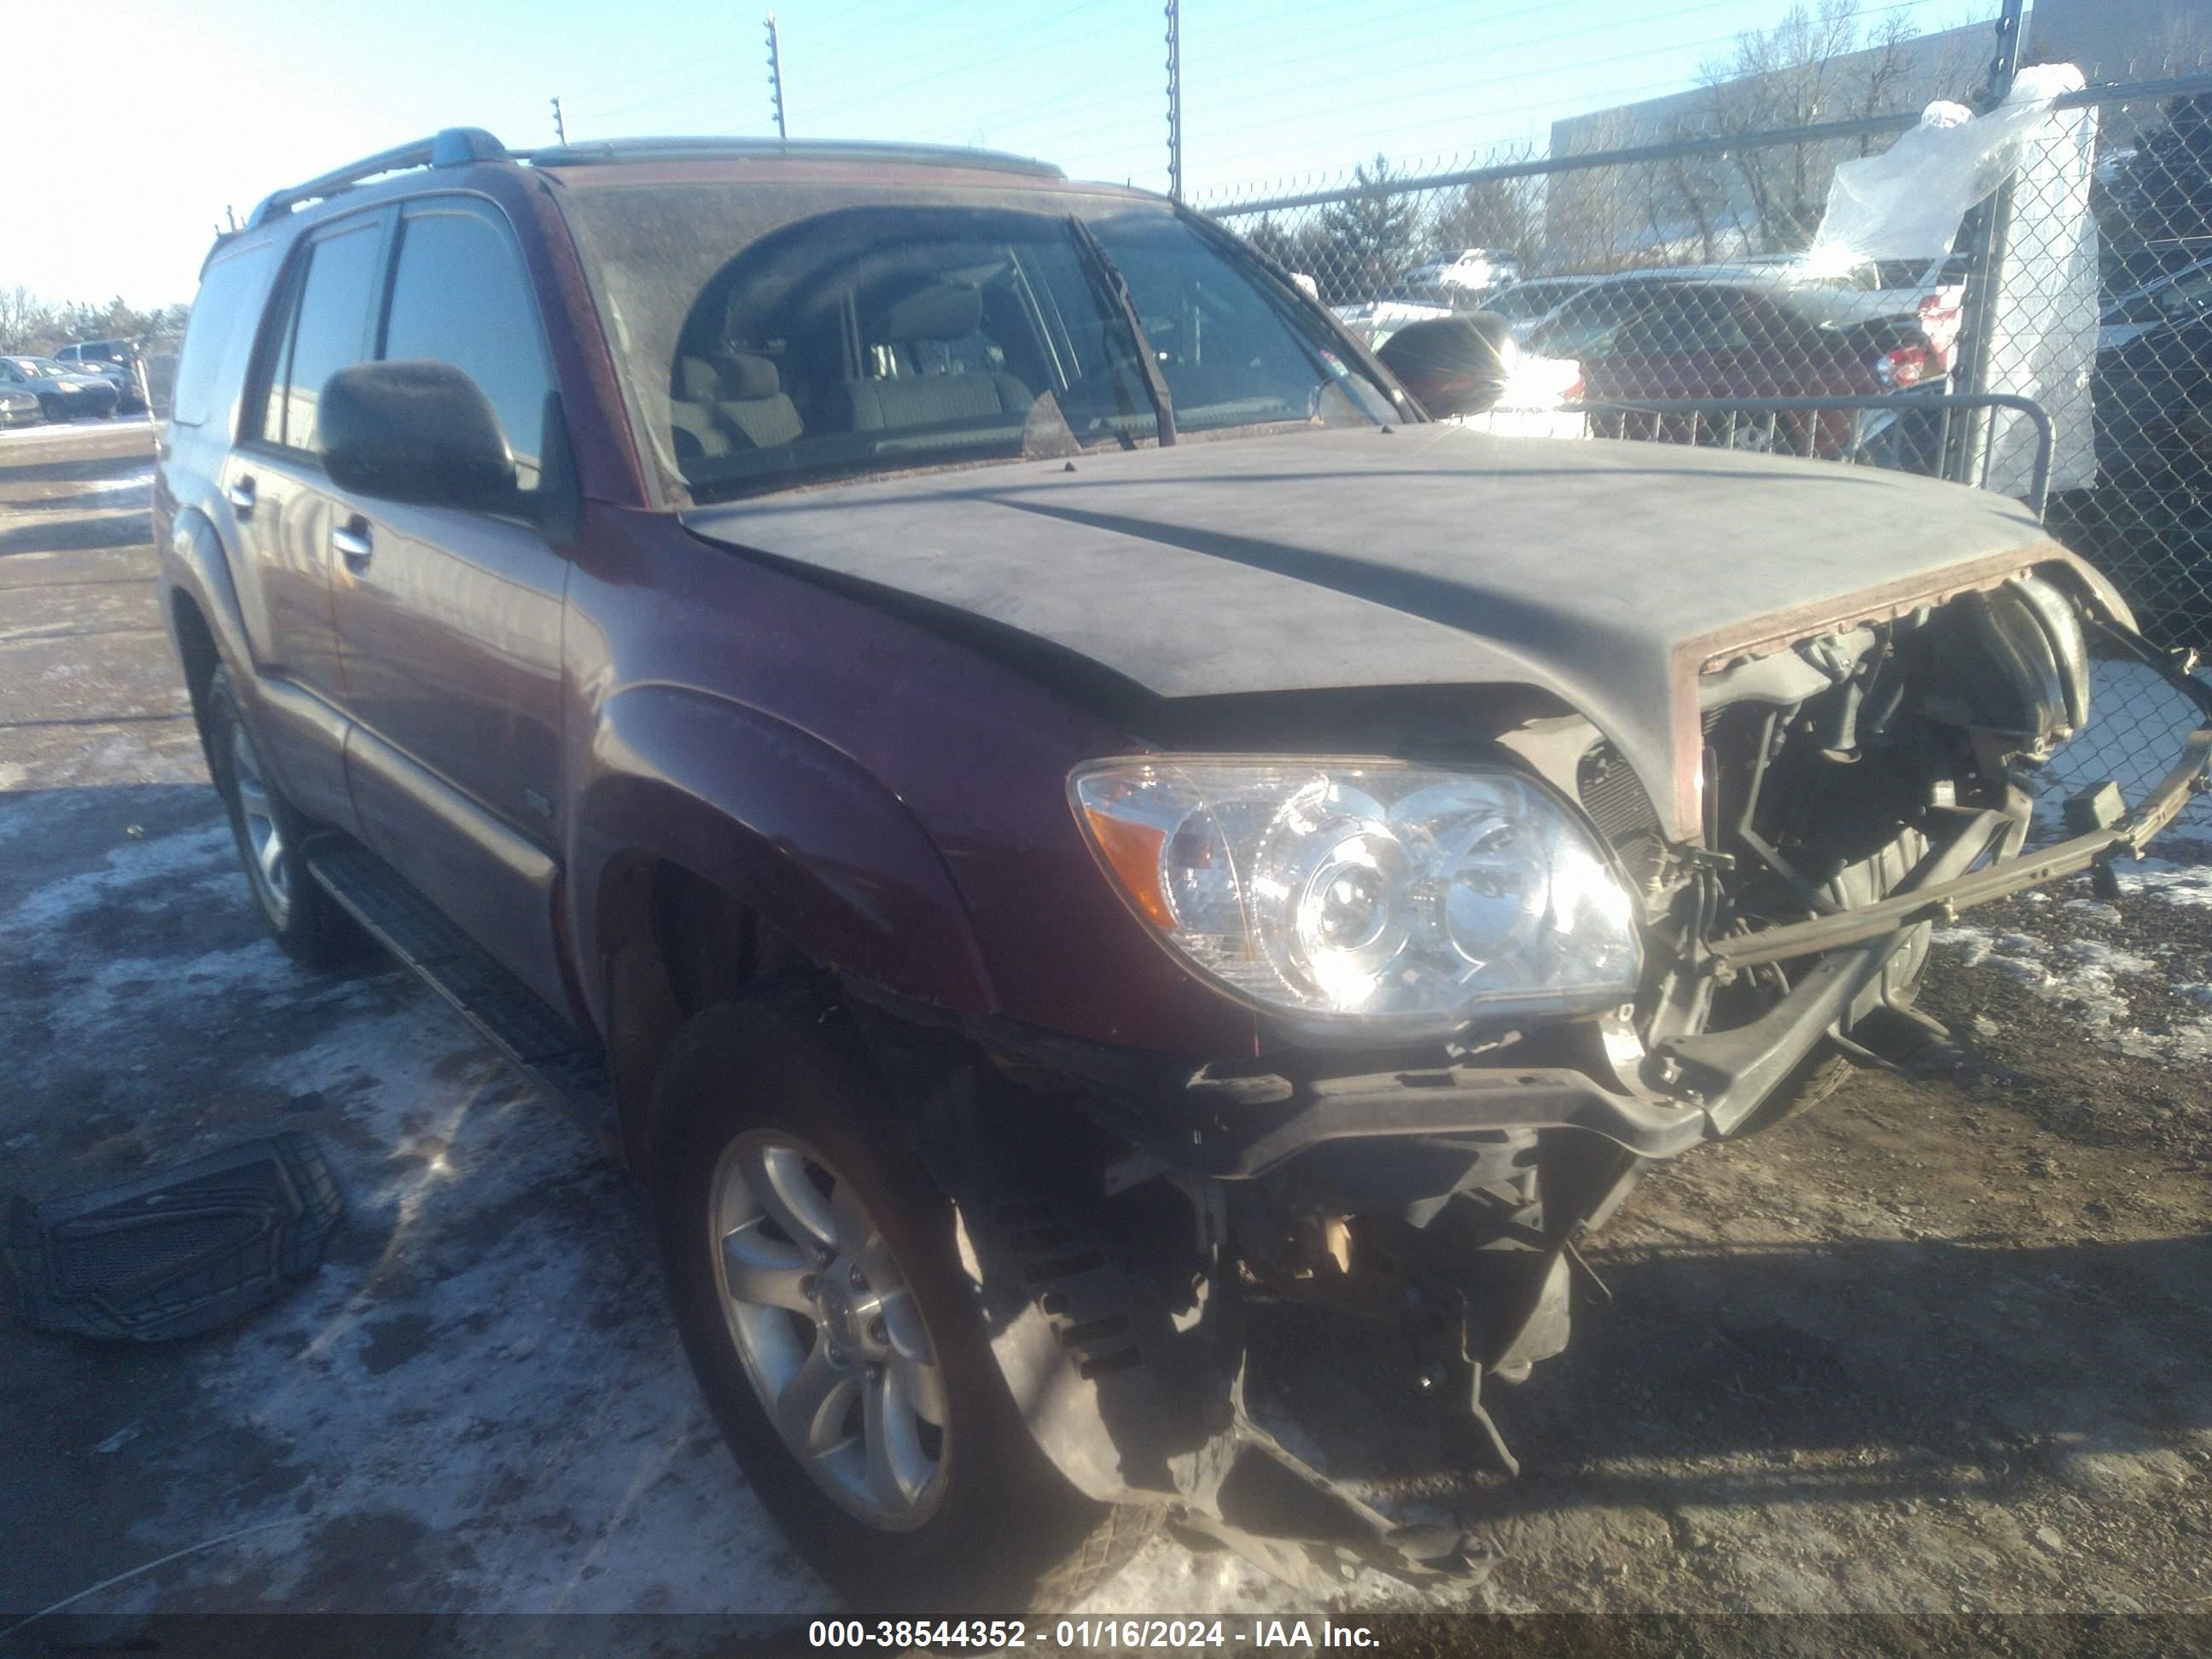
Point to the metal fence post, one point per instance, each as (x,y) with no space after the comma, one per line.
(1967,441)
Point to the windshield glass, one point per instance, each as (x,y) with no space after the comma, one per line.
(774,337)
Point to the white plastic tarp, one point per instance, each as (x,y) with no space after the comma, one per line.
(2040,330)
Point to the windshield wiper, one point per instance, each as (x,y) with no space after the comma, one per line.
(1113,287)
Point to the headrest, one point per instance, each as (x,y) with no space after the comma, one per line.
(746,378)
(937,311)
(696,382)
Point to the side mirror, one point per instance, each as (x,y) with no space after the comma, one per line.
(1452,365)
(414,431)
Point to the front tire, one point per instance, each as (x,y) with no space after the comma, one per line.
(817,1287)
(269,832)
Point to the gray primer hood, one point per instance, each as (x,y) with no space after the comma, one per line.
(1603,573)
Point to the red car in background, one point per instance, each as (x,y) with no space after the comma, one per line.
(1681,335)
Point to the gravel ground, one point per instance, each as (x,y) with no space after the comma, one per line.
(1936,1347)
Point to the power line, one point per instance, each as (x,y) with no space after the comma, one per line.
(1029,42)
(1247,126)
(1492,49)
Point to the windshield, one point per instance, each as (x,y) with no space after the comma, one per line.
(775,336)
(33,368)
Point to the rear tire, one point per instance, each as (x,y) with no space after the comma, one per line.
(269,834)
(995,1528)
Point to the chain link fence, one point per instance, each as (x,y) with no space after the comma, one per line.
(2060,350)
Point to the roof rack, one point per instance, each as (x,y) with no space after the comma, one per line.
(460,146)
(454,147)
(842,150)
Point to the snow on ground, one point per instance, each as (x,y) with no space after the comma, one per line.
(134,489)
(484,1372)
(484,1361)
(2098,981)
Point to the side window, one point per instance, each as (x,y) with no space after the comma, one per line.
(459,297)
(328,332)
(218,335)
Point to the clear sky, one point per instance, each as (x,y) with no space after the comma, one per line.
(132,123)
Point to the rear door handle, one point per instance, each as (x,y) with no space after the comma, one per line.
(241,496)
(352,541)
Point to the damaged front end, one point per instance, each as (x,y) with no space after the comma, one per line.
(1432,1171)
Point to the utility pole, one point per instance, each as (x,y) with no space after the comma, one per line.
(1175,99)
(559,127)
(775,76)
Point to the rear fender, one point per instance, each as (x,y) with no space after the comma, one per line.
(193,565)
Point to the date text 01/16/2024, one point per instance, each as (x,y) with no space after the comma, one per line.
(991,1635)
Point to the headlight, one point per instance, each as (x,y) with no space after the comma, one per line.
(1401,896)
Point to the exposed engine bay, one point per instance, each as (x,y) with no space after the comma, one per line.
(1854,784)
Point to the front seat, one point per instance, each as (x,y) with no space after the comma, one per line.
(935,313)
(725,404)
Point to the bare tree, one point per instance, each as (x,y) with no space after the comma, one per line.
(1594,217)
(26,321)
(1496,213)
(1816,66)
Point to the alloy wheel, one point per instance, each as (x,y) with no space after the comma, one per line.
(829,1333)
(269,860)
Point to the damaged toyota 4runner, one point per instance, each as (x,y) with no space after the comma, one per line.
(1042,803)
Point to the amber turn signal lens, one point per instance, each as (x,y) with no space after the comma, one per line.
(1133,851)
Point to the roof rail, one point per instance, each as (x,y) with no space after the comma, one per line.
(608,150)
(453,147)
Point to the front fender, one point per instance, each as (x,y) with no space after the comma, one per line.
(817,846)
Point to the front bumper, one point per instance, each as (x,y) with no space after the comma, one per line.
(1241,1126)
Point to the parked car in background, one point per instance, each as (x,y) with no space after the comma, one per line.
(63,391)
(1526,303)
(1931,293)
(18,407)
(1671,336)
(2149,516)
(2174,297)
(117,360)
(1375,320)
(1467,267)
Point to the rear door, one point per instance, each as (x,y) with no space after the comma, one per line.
(282,508)
(450,621)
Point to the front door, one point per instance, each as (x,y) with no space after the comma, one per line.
(449,623)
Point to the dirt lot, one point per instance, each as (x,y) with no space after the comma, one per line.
(1937,1347)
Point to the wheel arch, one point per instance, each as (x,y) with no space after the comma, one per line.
(714,846)
(206,625)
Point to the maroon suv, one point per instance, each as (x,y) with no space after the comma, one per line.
(1044,806)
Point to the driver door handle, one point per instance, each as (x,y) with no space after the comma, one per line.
(241,496)
(352,541)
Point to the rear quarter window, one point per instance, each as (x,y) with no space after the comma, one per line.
(220,334)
